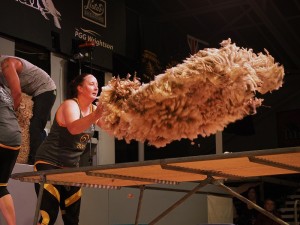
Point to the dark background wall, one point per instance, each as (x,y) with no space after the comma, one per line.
(130,28)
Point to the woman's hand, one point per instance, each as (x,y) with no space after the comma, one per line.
(98,111)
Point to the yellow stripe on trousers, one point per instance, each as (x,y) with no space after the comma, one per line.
(45,216)
(52,190)
(75,197)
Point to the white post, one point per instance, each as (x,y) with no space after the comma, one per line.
(58,74)
(106,143)
(219,142)
(7,47)
(141,149)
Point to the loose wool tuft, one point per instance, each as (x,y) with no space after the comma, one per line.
(201,96)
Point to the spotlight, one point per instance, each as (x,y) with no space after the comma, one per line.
(78,56)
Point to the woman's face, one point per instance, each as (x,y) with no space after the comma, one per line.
(89,87)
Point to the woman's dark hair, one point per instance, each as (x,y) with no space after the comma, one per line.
(78,80)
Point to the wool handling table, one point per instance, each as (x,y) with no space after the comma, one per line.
(207,169)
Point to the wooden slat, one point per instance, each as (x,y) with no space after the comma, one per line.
(243,167)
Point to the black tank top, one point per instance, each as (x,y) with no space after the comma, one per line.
(62,148)
(10,133)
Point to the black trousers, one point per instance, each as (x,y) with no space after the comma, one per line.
(55,197)
(8,158)
(42,105)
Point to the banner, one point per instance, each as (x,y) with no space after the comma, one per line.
(61,25)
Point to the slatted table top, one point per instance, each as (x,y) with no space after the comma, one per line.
(168,171)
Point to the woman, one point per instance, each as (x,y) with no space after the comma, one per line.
(37,83)
(10,139)
(246,213)
(72,128)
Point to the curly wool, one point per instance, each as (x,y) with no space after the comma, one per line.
(201,96)
(24,114)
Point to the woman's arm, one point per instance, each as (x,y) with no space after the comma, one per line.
(244,187)
(10,68)
(69,115)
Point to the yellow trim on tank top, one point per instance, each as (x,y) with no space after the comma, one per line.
(43,162)
(10,147)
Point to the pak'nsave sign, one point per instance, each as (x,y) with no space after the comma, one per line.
(40,21)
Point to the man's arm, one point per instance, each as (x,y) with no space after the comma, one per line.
(10,68)
(245,187)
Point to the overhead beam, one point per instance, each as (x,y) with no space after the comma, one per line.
(286,25)
(232,22)
(194,16)
(276,33)
(258,26)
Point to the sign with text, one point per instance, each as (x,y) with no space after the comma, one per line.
(94,11)
(59,25)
